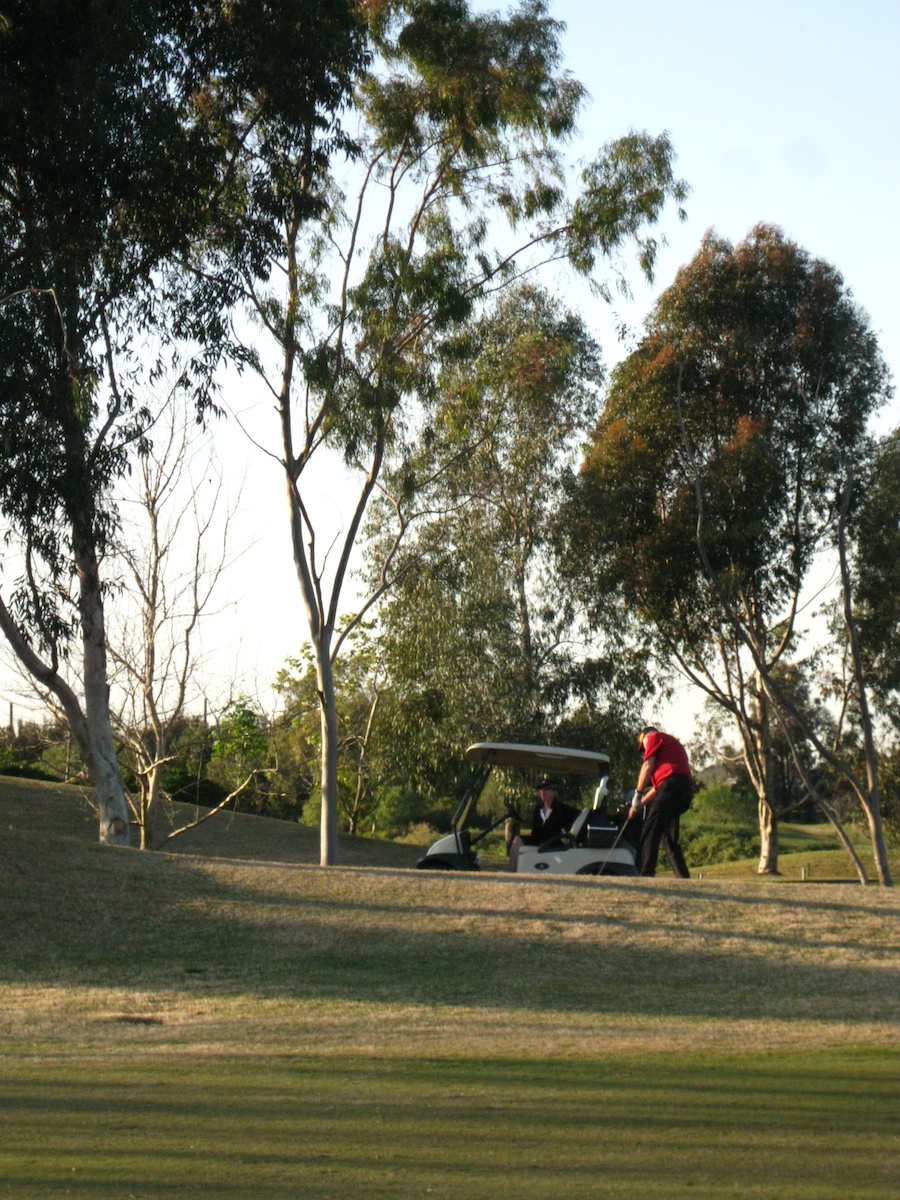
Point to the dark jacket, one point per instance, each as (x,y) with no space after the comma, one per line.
(560,819)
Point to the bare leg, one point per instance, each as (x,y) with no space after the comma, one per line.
(514,847)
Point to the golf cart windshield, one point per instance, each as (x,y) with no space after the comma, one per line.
(551,760)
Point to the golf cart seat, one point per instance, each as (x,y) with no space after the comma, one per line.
(579,823)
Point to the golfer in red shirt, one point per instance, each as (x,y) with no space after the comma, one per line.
(667,773)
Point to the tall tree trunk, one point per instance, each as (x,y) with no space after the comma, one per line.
(95,741)
(80,491)
(150,813)
(879,846)
(768,838)
(328,716)
(756,738)
(320,633)
(870,796)
(101,758)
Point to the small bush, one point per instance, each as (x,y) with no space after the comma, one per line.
(721,826)
(719,805)
(705,847)
(16,767)
(418,835)
(401,809)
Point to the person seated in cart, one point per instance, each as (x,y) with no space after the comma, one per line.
(549,818)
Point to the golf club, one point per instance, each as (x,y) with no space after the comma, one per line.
(610,851)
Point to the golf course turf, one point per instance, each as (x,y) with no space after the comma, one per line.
(234,1026)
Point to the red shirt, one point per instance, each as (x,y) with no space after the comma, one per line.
(669,754)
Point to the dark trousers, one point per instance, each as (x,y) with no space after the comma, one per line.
(673,797)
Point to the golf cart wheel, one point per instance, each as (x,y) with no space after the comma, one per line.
(435,864)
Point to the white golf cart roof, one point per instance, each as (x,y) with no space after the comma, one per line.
(543,758)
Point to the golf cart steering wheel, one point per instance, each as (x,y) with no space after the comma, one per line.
(569,837)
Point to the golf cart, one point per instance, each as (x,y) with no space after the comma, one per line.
(598,843)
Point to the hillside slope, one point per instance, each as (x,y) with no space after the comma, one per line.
(113,947)
(66,811)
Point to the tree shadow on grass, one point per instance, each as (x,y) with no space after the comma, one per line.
(82,915)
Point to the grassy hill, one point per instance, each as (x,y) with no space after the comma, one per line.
(65,811)
(810,851)
(231,1020)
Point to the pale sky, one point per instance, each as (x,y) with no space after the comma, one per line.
(785,112)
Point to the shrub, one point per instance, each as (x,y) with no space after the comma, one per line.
(706,847)
(720,805)
(418,835)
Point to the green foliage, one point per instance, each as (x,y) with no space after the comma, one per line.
(705,847)
(625,190)
(241,752)
(876,531)
(438,49)
(720,826)
(184,778)
(364,766)
(126,129)
(478,639)
(11,762)
(418,815)
(761,351)
(39,751)
(723,804)
(240,740)
(91,127)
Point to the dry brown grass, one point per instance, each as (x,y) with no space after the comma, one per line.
(123,952)
(222,1025)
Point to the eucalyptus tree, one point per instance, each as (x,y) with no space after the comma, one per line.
(515,405)
(121,127)
(873,554)
(479,637)
(876,562)
(717,473)
(91,124)
(456,183)
(368,758)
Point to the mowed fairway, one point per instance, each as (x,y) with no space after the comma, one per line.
(225,1027)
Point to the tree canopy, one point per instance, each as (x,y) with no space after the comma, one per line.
(716,473)
(125,128)
(479,639)
(456,182)
(877,568)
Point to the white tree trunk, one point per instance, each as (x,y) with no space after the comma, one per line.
(328,851)
(753,729)
(320,633)
(90,725)
(101,758)
(768,838)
